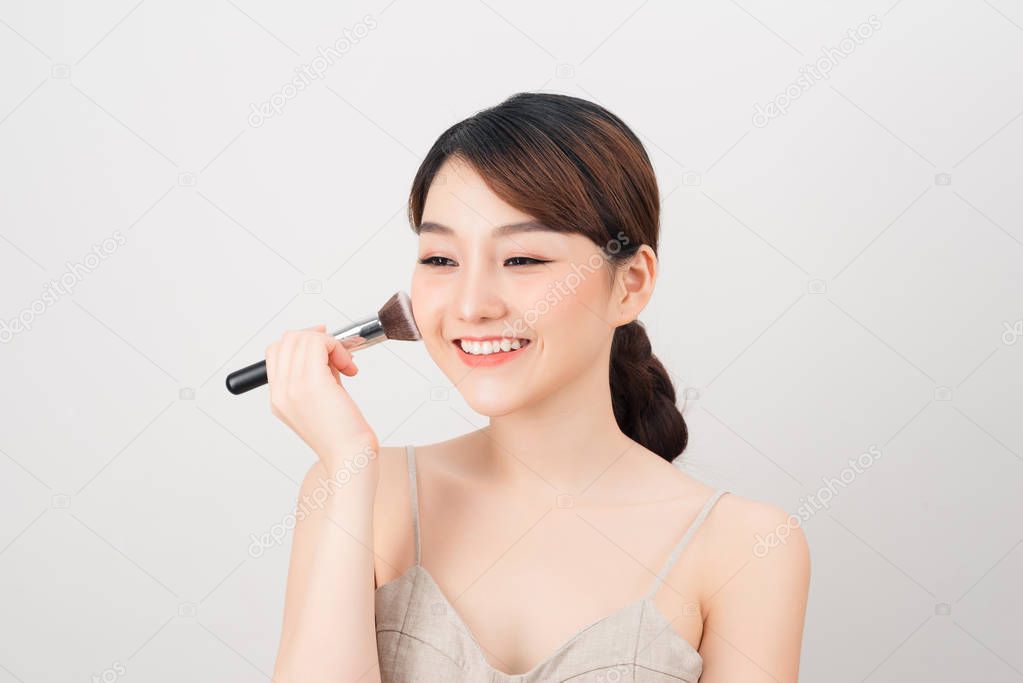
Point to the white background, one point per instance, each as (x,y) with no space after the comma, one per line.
(847,276)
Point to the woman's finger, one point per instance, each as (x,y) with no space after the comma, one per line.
(340,358)
(312,356)
(309,359)
(286,356)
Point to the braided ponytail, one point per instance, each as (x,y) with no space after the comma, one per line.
(643,395)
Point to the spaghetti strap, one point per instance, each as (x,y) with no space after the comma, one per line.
(413,494)
(677,551)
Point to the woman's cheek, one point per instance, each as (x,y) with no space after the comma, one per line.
(427,308)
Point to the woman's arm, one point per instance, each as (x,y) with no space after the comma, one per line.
(754,618)
(329,630)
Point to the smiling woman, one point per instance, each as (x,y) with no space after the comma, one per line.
(571,545)
(538,224)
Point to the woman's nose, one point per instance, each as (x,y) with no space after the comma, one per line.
(479,294)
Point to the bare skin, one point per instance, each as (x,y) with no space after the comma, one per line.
(549,518)
(490,544)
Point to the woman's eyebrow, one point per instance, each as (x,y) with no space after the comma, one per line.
(500,231)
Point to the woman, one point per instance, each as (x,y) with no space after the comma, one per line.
(558,542)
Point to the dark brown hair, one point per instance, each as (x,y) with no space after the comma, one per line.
(576,167)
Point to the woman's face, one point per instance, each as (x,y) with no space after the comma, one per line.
(477,280)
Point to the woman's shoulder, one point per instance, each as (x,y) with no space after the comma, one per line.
(759,545)
(393,512)
(735,512)
(440,457)
(738,531)
(750,527)
(734,517)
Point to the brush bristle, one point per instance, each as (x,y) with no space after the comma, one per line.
(396,319)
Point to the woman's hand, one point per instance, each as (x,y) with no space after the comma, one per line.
(303,371)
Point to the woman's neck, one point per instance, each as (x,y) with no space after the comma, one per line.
(569,440)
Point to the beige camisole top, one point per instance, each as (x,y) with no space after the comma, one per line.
(420,636)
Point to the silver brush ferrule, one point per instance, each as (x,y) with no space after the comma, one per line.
(361,334)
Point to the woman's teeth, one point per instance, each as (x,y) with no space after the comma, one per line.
(487,347)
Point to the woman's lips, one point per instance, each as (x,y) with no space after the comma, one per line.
(487,360)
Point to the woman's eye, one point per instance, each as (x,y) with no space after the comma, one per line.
(526,258)
(431,261)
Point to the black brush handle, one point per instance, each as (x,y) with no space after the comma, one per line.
(248,378)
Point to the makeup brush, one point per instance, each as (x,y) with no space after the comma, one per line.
(393,321)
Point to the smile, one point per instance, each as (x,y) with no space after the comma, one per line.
(477,353)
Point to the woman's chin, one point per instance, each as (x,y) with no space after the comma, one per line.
(493,402)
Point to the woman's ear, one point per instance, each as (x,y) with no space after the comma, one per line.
(636,284)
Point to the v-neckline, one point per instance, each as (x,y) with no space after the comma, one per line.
(647,601)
